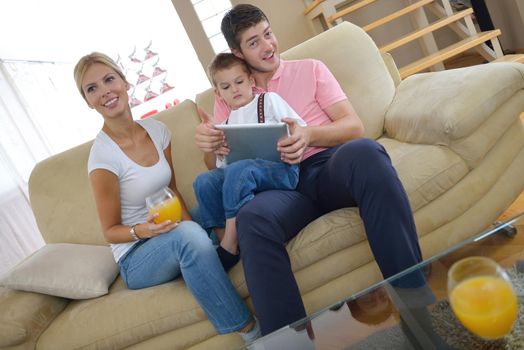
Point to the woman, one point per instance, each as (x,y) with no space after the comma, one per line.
(130,160)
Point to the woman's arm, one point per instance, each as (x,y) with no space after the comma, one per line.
(107,198)
(106,190)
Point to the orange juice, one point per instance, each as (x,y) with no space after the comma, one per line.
(485,305)
(170,209)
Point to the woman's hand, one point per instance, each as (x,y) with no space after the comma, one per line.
(151,229)
(292,147)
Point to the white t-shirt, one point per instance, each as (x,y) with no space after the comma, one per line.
(136,181)
(275,108)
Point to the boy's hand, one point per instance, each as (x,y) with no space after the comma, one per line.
(222,151)
(292,148)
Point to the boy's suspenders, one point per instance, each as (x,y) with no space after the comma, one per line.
(260,110)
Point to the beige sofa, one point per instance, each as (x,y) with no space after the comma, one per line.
(455,139)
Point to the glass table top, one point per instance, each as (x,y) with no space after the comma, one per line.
(410,310)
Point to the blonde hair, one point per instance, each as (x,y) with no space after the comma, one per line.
(87,61)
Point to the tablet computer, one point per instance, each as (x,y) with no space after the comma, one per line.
(250,141)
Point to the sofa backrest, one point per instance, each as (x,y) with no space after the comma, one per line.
(356,62)
(61,196)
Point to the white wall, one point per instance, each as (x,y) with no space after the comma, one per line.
(508,16)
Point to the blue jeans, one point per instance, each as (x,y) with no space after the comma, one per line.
(357,173)
(222,192)
(187,250)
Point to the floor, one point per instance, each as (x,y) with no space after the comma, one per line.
(516,208)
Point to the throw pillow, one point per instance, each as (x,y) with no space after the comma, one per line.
(74,271)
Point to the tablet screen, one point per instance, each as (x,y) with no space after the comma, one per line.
(251,141)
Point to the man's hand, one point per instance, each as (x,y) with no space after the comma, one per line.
(292,148)
(207,137)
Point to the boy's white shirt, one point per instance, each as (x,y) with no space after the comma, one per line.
(275,108)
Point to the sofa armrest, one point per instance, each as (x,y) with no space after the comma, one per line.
(440,107)
(206,100)
(25,315)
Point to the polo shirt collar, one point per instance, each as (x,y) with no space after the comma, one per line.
(276,76)
(280,68)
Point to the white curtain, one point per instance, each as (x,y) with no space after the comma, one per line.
(41,114)
(18,231)
(41,111)
(21,146)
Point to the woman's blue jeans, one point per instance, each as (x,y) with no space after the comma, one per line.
(222,192)
(187,250)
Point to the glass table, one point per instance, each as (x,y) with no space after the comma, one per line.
(410,310)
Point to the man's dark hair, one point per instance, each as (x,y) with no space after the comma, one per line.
(238,19)
(225,60)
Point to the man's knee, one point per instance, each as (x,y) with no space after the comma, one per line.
(363,147)
(248,215)
(255,216)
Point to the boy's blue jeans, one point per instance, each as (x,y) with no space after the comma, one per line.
(187,250)
(222,192)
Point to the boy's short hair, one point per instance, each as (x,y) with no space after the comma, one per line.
(238,19)
(226,60)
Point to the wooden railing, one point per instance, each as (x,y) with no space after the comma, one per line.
(324,14)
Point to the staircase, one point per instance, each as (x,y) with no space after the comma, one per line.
(324,14)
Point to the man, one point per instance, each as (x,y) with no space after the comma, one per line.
(338,168)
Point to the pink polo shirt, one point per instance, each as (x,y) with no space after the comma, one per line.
(306,85)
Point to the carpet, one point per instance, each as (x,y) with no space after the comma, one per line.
(448,330)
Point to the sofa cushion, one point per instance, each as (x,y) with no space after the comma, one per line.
(426,171)
(206,100)
(325,236)
(125,317)
(59,190)
(25,315)
(74,271)
(461,101)
(474,147)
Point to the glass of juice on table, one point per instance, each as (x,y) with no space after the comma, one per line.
(482,297)
(166,204)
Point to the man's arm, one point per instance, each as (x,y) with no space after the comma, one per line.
(345,126)
(208,139)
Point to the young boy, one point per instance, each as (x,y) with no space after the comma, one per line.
(221,192)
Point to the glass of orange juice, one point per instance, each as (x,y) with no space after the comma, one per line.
(482,297)
(166,204)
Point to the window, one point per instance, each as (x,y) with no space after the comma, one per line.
(210,13)
(41,111)
(147,39)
